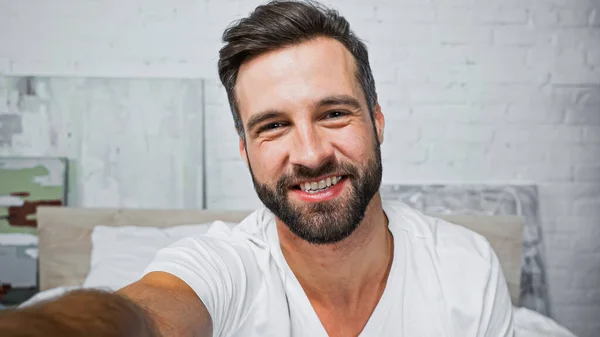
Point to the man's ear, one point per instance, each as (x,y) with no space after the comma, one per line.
(379,121)
(243,151)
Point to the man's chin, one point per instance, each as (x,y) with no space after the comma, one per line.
(324,222)
(323,212)
(322,228)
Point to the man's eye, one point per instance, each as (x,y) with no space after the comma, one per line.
(335,114)
(271,126)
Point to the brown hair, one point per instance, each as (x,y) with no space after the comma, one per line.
(283,23)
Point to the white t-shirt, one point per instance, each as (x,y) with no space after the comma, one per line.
(444,281)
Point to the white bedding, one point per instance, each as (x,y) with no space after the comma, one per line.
(528,323)
(120,254)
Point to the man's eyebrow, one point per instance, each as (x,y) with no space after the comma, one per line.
(339,100)
(261,117)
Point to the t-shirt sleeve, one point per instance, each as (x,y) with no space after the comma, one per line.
(222,272)
(497,315)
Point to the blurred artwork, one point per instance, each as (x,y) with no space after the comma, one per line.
(520,200)
(25,184)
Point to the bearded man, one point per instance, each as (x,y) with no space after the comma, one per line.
(326,256)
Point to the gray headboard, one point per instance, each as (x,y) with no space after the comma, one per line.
(65,244)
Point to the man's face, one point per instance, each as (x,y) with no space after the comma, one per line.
(311,146)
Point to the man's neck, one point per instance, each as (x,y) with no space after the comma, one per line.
(346,273)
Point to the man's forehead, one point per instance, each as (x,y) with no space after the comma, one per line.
(298,74)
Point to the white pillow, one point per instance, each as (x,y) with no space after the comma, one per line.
(120,254)
(529,323)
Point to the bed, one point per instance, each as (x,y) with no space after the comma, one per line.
(65,246)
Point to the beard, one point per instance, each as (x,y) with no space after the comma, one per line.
(327,221)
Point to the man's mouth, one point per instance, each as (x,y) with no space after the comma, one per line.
(312,187)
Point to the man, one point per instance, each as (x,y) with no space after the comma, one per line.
(326,257)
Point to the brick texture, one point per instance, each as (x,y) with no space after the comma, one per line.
(501,91)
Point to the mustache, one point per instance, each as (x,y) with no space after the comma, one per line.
(303,172)
(306,173)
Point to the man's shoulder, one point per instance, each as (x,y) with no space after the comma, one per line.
(253,233)
(256,222)
(232,248)
(457,258)
(437,233)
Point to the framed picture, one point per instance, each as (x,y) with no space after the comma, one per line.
(25,184)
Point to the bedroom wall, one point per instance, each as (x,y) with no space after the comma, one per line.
(496,92)
(129,142)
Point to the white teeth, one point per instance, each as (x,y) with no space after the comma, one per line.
(311,187)
(322,184)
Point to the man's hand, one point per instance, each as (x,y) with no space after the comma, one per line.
(159,304)
(79,313)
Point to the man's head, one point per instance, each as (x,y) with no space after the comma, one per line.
(303,99)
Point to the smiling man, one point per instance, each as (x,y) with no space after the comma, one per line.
(326,256)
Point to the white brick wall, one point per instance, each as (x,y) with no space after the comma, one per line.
(494,91)
(131,143)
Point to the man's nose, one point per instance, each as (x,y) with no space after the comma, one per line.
(311,149)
